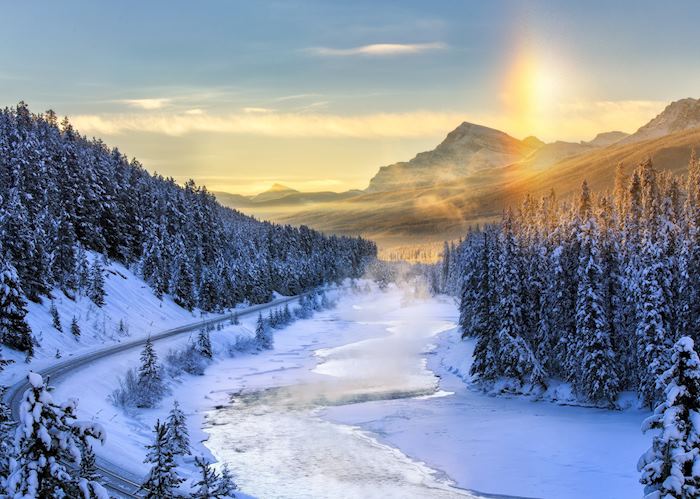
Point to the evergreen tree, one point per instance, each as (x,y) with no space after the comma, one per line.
(178,435)
(55,317)
(226,487)
(162,480)
(75,328)
(652,331)
(88,464)
(203,345)
(206,487)
(263,336)
(96,290)
(671,467)
(183,285)
(515,357)
(150,380)
(6,432)
(14,330)
(598,376)
(48,442)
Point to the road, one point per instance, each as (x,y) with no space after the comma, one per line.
(117,481)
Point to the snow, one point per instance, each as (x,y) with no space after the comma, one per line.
(128,299)
(370,399)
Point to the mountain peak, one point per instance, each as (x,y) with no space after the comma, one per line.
(679,115)
(467,150)
(277,191)
(280,188)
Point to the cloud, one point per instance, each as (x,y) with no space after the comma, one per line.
(148,104)
(579,120)
(378,125)
(378,49)
(257,110)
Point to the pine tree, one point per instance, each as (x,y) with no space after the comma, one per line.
(96,291)
(263,336)
(88,464)
(671,467)
(55,317)
(515,357)
(178,434)
(150,380)
(48,441)
(6,432)
(598,377)
(183,284)
(206,487)
(14,330)
(226,487)
(75,328)
(203,345)
(652,329)
(162,480)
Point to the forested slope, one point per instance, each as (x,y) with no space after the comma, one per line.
(62,194)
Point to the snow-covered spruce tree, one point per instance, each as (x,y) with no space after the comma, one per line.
(88,464)
(226,486)
(75,328)
(597,379)
(263,335)
(6,437)
(653,334)
(162,480)
(55,317)
(206,486)
(96,289)
(14,331)
(48,446)
(150,380)
(203,344)
(178,435)
(515,357)
(183,283)
(482,305)
(671,467)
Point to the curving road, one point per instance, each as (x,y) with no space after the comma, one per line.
(117,481)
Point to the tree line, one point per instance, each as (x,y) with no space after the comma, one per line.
(594,291)
(63,195)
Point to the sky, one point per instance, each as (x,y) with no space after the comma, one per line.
(317,95)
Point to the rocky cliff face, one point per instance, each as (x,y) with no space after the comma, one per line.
(680,115)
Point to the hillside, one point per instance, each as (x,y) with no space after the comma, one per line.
(473,174)
(400,214)
(63,196)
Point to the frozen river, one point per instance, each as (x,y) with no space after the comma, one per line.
(367,400)
(273,434)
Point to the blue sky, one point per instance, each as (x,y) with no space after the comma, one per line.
(319,94)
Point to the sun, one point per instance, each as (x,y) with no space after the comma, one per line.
(531,88)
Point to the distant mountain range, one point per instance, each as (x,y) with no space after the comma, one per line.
(472,175)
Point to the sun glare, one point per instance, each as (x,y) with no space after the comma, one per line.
(530,91)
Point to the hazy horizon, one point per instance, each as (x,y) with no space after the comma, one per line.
(317,96)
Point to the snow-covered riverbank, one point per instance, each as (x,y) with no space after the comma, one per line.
(368,400)
(501,445)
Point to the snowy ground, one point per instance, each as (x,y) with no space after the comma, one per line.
(128,300)
(366,401)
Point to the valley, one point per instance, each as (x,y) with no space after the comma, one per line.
(473,175)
